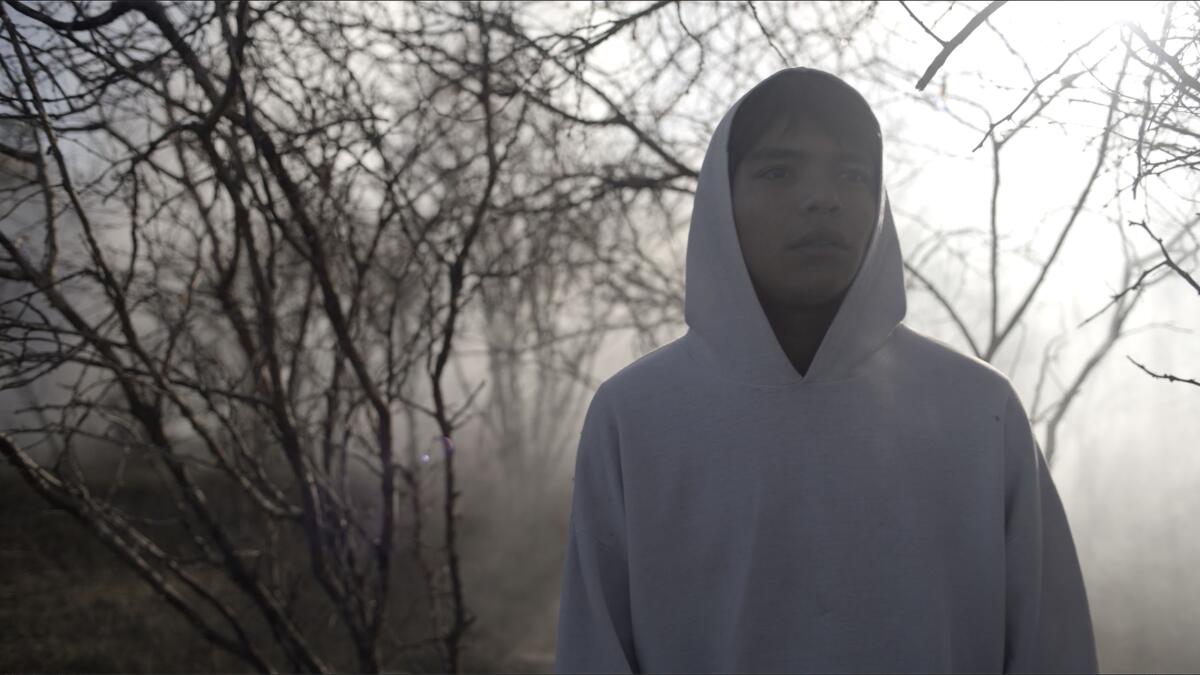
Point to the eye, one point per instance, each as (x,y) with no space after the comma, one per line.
(855,175)
(774,173)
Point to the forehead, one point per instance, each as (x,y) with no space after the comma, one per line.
(801,136)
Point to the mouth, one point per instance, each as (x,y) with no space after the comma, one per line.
(817,245)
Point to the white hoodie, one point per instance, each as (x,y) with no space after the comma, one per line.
(888,511)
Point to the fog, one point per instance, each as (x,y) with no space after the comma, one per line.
(1127,460)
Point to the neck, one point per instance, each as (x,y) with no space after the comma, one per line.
(801,328)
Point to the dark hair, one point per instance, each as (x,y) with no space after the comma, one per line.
(834,108)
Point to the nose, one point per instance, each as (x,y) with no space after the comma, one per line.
(816,202)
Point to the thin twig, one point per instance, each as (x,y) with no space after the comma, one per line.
(920,23)
(1170,262)
(1164,376)
(766,33)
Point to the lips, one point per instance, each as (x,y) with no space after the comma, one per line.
(819,240)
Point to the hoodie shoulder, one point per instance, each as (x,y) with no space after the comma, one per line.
(664,368)
(938,358)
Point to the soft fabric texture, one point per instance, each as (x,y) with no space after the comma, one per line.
(889,511)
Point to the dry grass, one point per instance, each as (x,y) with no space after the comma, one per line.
(69,604)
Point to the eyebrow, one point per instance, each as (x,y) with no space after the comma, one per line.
(789,153)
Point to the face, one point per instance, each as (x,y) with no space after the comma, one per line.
(804,207)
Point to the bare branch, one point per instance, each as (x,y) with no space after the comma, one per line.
(1163,376)
(949,47)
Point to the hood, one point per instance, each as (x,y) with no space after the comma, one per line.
(722,309)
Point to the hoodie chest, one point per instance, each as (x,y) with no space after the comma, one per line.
(853,471)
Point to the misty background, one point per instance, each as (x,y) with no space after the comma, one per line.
(283,284)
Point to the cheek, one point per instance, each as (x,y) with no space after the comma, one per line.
(758,227)
(863,220)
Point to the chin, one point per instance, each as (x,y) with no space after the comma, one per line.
(809,296)
(813,292)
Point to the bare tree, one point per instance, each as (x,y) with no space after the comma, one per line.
(263,227)
(1163,112)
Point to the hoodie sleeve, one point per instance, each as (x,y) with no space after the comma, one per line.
(1048,627)
(595,632)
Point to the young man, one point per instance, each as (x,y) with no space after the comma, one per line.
(802,482)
